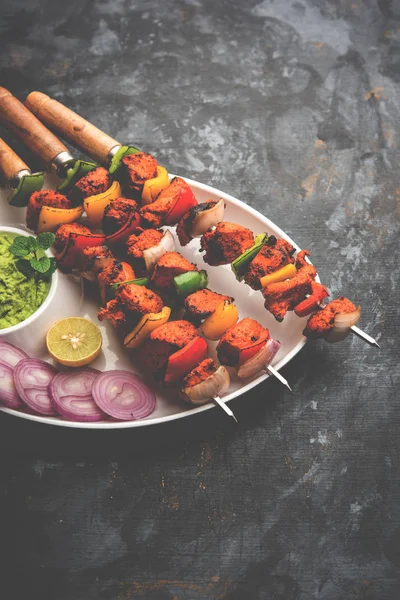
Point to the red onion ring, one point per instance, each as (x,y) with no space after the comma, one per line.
(123,395)
(8,392)
(71,395)
(32,377)
(10,355)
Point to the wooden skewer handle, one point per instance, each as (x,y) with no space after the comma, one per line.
(16,117)
(10,163)
(72,127)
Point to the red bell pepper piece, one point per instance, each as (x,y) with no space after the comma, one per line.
(184,202)
(131,225)
(75,243)
(307,306)
(182,362)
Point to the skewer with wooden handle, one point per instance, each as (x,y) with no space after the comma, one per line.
(42,142)
(16,117)
(18,176)
(79,132)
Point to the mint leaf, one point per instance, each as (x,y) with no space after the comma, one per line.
(45,240)
(41,265)
(18,251)
(22,241)
(25,268)
(51,269)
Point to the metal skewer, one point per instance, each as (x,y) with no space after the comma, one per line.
(364,336)
(271,371)
(224,407)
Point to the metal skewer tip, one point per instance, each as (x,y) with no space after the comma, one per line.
(276,374)
(224,407)
(364,336)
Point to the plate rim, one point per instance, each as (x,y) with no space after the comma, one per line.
(104,425)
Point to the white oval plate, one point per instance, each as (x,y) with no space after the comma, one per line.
(221,279)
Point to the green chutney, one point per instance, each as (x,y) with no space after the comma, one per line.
(20,296)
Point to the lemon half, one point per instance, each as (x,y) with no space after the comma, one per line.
(74,341)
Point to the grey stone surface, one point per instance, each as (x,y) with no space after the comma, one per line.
(292,106)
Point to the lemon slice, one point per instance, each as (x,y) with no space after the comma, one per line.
(74,342)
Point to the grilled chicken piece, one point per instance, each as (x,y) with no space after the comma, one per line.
(62,234)
(169,266)
(203,303)
(154,214)
(274,255)
(116,272)
(225,243)
(136,170)
(93,260)
(116,316)
(322,321)
(139,299)
(117,213)
(242,336)
(141,240)
(43,198)
(95,182)
(203,371)
(129,304)
(285,295)
(164,341)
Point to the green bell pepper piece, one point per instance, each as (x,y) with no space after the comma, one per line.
(241,263)
(190,282)
(26,186)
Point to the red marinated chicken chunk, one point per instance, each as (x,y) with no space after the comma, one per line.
(322,321)
(225,243)
(136,170)
(140,240)
(203,303)
(285,295)
(115,273)
(272,257)
(169,266)
(117,213)
(129,304)
(246,334)
(95,182)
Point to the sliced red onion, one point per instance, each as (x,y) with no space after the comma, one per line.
(215,385)
(10,355)
(259,361)
(153,254)
(206,219)
(71,395)
(123,395)
(8,392)
(32,377)
(341,326)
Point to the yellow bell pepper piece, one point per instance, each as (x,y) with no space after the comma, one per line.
(95,205)
(50,218)
(287,272)
(225,315)
(153,187)
(146,325)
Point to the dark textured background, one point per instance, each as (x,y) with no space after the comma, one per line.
(292,106)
